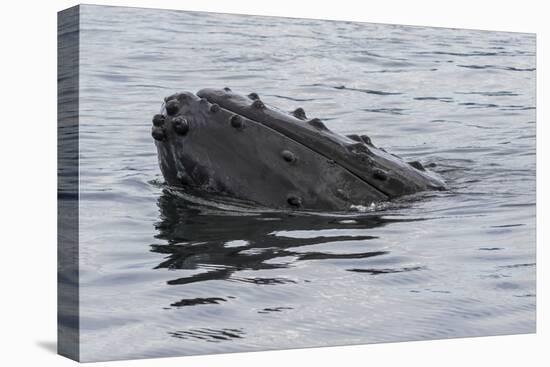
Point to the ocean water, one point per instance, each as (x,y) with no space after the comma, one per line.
(164,273)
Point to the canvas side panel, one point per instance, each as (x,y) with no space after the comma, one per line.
(67,182)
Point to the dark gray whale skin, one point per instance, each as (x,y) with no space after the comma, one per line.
(221,142)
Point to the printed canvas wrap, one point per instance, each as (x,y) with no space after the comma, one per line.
(232,183)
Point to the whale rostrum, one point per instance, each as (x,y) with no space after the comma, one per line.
(218,141)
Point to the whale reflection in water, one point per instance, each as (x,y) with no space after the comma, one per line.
(220,244)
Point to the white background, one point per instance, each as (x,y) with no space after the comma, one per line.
(28,182)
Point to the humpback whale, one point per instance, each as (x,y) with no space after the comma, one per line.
(218,141)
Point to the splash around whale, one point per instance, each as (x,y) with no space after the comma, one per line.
(218,141)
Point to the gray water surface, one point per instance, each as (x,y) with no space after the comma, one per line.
(165,273)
